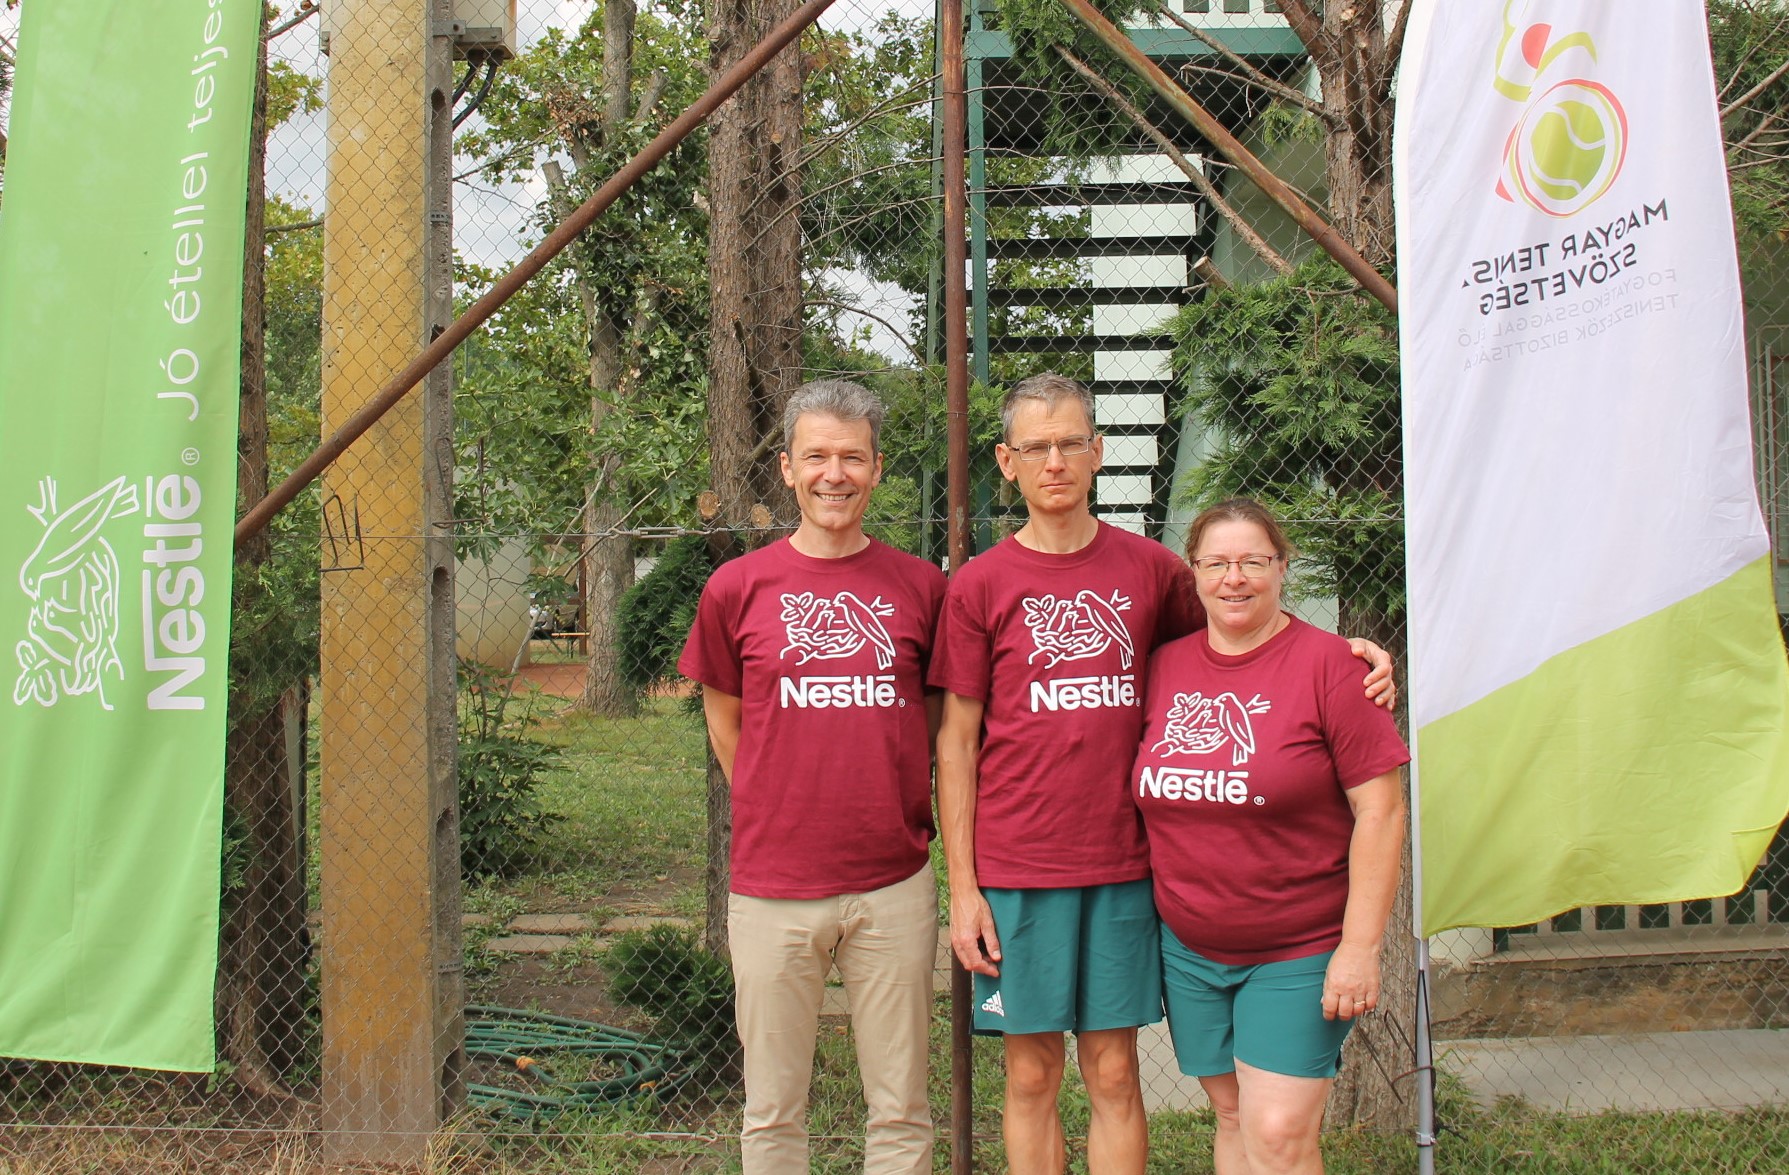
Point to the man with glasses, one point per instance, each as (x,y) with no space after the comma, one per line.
(1042,649)
(812,655)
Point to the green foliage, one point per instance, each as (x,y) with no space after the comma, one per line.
(501,816)
(528,452)
(276,623)
(1079,122)
(522,420)
(1297,381)
(866,158)
(656,612)
(521,412)
(1282,122)
(294,334)
(1750,43)
(291,92)
(665,971)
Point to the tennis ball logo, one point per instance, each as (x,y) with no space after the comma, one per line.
(1566,150)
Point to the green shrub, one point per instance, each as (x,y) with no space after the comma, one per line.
(501,817)
(655,614)
(665,971)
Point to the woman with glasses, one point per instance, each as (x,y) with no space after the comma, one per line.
(1271,793)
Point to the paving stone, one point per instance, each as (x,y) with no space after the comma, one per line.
(470,920)
(629,922)
(550,924)
(528,944)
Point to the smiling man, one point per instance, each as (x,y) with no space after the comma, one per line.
(812,656)
(1043,648)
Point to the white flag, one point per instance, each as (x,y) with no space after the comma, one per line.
(1599,690)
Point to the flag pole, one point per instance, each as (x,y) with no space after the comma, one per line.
(1423,1064)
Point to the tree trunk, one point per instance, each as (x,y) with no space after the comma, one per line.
(755,361)
(754,259)
(608,557)
(719,874)
(1376,1086)
(263,946)
(1351,59)
(1357,164)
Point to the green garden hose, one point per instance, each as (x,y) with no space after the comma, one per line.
(525,1043)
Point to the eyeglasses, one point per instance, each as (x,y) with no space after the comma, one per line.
(1040,450)
(1252,566)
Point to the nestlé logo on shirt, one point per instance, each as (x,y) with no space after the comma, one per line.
(1064,629)
(830,628)
(1198,725)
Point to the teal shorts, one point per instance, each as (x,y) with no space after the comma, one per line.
(1080,959)
(1269,1015)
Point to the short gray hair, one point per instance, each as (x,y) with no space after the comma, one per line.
(838,398)
(1046,388)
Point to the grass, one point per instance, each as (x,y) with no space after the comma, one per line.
(634,796)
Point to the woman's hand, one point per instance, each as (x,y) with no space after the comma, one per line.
(1351,986)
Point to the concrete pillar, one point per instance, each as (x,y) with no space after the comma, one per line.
(393,1021)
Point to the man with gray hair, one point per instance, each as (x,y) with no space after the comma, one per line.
(812,655)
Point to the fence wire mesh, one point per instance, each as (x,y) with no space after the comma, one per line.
(475,865)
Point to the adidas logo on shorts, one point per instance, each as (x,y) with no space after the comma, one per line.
(993,1006)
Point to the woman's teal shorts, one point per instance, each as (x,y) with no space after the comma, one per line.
(1269,1015)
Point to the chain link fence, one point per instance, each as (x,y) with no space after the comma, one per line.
(475,843)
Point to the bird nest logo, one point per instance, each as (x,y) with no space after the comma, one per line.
(824,629)
(1571,140)
(1198,725)
(72,579)
(1073,630)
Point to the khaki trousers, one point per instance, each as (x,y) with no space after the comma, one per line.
(883,943)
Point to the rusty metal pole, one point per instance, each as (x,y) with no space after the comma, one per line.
(1276,189)
(956,404)
(462,327)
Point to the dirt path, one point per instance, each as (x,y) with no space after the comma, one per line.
(562,681)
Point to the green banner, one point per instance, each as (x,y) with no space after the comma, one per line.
(121,246)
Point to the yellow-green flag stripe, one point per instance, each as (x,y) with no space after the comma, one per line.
(1564,774)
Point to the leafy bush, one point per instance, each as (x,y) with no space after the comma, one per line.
(664,970)
(501,818)
(655,614)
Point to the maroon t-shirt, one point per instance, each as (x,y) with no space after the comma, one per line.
(832,777)
(1240,779)
(1056,647)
